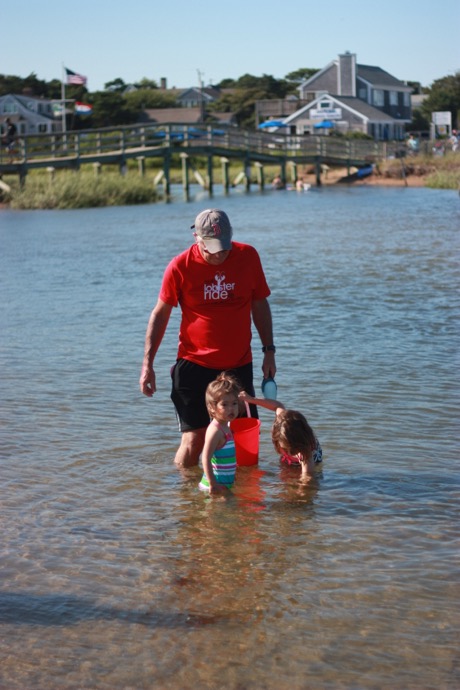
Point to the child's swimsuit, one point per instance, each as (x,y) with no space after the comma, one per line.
(294,460)
(223,462)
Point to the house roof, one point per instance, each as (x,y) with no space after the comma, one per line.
(23,109)
(207,93)
(183,116)
(173,115)
(376,76)
(379,77)
(365,109)
(355,105)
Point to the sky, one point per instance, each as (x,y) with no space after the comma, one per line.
(187,42)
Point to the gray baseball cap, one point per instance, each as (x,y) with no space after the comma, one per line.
(213,227)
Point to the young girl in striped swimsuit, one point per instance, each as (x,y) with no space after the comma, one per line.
(218,456)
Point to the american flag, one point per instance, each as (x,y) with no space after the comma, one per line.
(74,78)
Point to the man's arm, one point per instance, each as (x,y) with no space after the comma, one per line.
(262,318)
(156,328)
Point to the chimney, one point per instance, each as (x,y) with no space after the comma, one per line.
(163,85)
(346,76)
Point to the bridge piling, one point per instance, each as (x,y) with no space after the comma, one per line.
(185,175)
(210,176)
(141,165)
(225,176)
(260,176)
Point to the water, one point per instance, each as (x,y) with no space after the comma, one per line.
(117,572)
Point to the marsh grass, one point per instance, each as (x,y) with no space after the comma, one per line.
(439,172)
(82,189)
(64,189)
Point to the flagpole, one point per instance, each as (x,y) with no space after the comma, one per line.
(64,126)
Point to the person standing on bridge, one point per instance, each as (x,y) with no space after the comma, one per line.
(220,286)
(10,136)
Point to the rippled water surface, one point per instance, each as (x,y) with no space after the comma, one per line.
(117,572)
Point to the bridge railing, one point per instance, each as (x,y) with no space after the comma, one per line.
(150,137)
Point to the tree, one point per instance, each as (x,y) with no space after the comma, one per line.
(116,85)
(149,98)
(301,74)
(30,85)
(110,109)
(420,123)
(246,91)
(145,83)
(444,95)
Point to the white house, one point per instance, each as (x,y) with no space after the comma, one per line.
(30,115)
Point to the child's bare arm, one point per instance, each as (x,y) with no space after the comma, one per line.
(269,404)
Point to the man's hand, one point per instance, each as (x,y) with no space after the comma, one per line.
(147,381)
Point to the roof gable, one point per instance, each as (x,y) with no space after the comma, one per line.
(354,105)
(377,77)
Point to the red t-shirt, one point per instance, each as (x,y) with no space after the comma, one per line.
(216,301)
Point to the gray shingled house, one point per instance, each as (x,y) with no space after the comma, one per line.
(350,97)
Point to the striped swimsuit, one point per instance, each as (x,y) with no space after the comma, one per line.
(223,462)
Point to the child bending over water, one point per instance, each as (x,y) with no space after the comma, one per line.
(218,456)
(292,436)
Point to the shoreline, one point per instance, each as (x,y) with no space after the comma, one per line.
(333,176)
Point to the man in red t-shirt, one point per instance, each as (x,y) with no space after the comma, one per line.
(220,287)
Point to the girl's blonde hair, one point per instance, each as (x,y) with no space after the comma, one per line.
(224,383)
(292,434)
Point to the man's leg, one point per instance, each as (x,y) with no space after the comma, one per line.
(188,453)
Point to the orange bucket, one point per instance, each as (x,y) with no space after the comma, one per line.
(246,432)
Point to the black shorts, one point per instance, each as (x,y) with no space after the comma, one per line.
(189,383)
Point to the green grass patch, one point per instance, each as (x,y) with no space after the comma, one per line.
(82,189)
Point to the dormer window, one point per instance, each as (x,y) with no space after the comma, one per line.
(378,98)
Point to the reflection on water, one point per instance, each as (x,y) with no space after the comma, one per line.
(117,572)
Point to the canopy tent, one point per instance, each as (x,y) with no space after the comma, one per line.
(325,124)
(272,123)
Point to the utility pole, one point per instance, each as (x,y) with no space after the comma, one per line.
(200,82)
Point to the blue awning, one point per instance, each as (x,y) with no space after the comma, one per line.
(272,123)
(325,124)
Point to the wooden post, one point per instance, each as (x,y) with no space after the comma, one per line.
(185,175)
(247,172)
(22,175)
(283,172)
(260,176)
(166,178)
(210,180)
(225,177)
(51,171)
(157,179)
(97,168)
(293,172)
(318,171)
(141,165)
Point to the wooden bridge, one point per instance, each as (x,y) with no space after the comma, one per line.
(117,145)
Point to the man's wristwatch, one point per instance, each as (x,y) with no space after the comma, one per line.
(269,348)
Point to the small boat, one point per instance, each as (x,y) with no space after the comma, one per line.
(360,174)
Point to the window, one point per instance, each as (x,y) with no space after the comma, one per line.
(406,99)
(325,104)
(10,108)
(393,98)
(42,128)
(362,94)
(378,98)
